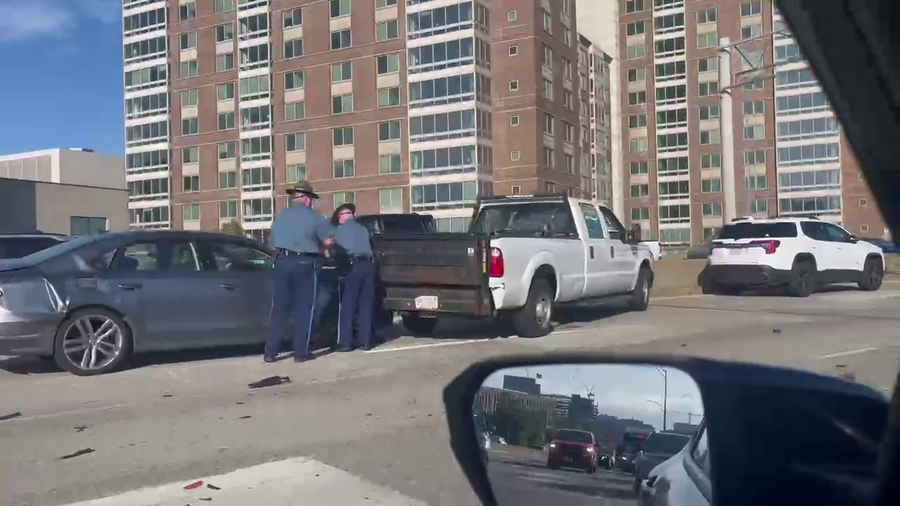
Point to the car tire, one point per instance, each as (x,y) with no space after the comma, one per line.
(101,326)
(803,280)
(640,297)
(534,319)
(872,275)
(419,326)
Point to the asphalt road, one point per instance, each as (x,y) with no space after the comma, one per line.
(368,427)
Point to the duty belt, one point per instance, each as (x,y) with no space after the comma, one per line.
(291,253)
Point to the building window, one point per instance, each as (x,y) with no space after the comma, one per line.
(710,161)
(515,155)
(191,212)
(225,92)
(295,142)
(342,104)
(227,150)
(342,71)
(344,168)
(227,180)
(342,136)
(228,210)
(292,18)
(390,200)
(380,4)
(190,126)
(638,145)
(341,198)
(863,203)
(390,164)
(512,50)
(708,112)
(226,121)
(512,16)
(190,155)
(388,63)
(634,6)
(708,89)
(757,157)
(637,121)
(224,62)
(190,98)
(294,80)
(221,6)
(546,21)
(640,213)
(863,228)
(635,51)
(191,184)
(549,157)
(548,124)
(637,98)
(760,206)
(188,40)
(338,8)
(707,40)
(712,185)
(547,90)
(638,167)
(389,97)
(712,209)
(709,137)
(516,190)
(751,31)
(751,8)
(514,85)
(637,74)
(340,39)
(296,172)
(84,225)
(706,16)
(387,30)
(389,131)
(187,11)
(635,28)
(224,33)
(293,48)
(755,182)
(294,110)
(754,107)
(514,120)
(640,190)
(189,69)
(754,133)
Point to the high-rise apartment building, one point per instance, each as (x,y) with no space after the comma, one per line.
(789,156)
(594,63)
(537,98)
(396,105)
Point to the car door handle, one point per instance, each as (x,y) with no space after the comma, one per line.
(228,286)
(129,286)
(592,251)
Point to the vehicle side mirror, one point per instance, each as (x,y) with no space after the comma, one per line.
(854,239)
(634,235)
(733,402)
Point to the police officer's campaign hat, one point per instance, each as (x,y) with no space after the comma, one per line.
(303,187)
(349,205)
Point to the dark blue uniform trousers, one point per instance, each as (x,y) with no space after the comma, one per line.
(357,300)
(294,286)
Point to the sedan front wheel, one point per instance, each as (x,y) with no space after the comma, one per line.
(92,341)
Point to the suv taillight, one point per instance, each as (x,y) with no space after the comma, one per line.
(769,246)
(495,264)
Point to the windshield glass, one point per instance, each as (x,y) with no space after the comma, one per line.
(668,444)
(745,230)
(63,247)
(525,219)
(577,436)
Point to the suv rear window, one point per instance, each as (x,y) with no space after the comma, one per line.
(527,219)
(746,230)
(21,247)
(665,443)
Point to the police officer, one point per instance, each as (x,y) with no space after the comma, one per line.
(296,235)
(358,291)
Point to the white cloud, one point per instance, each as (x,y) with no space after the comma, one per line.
(28,19)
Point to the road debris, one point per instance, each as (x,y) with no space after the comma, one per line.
(271,381)
(245,417)
(10,416)
(194,485)
(82,428)
(212,487)
(79,453)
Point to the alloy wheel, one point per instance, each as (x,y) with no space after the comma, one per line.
(92,342)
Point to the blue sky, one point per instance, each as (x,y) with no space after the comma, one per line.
(62,84)
(625,391)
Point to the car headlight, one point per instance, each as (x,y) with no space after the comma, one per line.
(590,450)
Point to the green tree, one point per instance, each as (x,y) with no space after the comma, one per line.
(232,227)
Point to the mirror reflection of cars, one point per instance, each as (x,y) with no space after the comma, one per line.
(119,293)
(572,448)
(885,245)
(660,446)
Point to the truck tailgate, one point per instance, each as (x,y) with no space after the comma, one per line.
(413,269)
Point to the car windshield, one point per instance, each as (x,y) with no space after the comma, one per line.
(668,444)
(745,230)
(576,436)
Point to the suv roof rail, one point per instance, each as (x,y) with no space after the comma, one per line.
(742,218)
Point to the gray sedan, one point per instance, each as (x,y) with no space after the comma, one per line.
(91,302)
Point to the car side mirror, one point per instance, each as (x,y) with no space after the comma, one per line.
(854,239)
(673,397)
(633,236)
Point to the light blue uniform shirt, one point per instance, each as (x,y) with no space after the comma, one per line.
(300,229)
(353,237)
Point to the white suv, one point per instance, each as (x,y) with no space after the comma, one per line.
(799,253)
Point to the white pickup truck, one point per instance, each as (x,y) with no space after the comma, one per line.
(522,256)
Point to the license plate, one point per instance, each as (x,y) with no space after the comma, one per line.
(427,302)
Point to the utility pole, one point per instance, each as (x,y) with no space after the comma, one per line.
(665,375)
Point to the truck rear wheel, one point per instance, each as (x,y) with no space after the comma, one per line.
(640,297)
(533,320)
(418,326)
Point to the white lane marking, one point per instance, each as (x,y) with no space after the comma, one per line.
(281,483)
(848,353)
(429,345)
